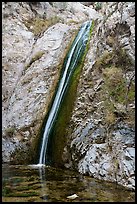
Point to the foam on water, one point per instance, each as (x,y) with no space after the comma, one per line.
(35,166)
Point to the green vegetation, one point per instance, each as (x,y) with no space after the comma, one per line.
(104,61)
(122,59)
(115,89)
(97,6)
(39,25)
(10,131)
(131,93)
(118,58)
(115,84)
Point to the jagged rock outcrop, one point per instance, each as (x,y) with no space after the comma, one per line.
(102,141)
(101,135)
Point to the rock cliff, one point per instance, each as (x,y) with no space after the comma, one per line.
(100,135)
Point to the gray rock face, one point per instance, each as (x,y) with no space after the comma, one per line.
(102,143)
(111,160)
(30,71)
(32,57)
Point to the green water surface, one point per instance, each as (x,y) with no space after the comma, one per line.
(30,184)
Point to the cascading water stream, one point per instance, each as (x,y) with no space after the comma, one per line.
(75,53)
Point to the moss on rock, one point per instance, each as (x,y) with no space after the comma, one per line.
(59,134)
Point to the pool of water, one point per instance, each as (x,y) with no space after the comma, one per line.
(22,183)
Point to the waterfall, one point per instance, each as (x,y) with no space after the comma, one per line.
(74,54)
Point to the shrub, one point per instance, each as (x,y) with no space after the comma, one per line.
(115,84)
(110,118)
(104,61)
(97,6)
(10,131)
